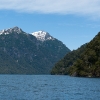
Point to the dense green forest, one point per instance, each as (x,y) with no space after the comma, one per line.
(84,62)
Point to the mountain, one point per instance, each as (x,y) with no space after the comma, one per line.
(62,66)
(42,35)
(23,53)
(88,65)
(11,30)
(85,64)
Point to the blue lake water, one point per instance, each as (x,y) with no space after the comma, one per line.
(48,87)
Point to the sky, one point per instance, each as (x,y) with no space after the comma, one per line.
(74,22)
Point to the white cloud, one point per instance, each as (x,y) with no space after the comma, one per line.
(78,7)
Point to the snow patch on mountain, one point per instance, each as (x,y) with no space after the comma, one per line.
(42,35)
(11,30)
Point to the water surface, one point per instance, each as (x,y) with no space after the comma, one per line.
(48,87)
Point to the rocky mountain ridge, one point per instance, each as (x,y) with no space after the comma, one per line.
(42,35)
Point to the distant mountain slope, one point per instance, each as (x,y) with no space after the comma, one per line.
(84,62)
(22,53)
(62,67)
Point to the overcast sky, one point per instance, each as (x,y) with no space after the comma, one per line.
(74,22)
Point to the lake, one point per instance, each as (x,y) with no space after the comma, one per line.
(48,87)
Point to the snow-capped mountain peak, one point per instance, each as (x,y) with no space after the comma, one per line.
(42,35)
(11,30)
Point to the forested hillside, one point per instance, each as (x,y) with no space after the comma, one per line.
(88,65)
(84,61)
